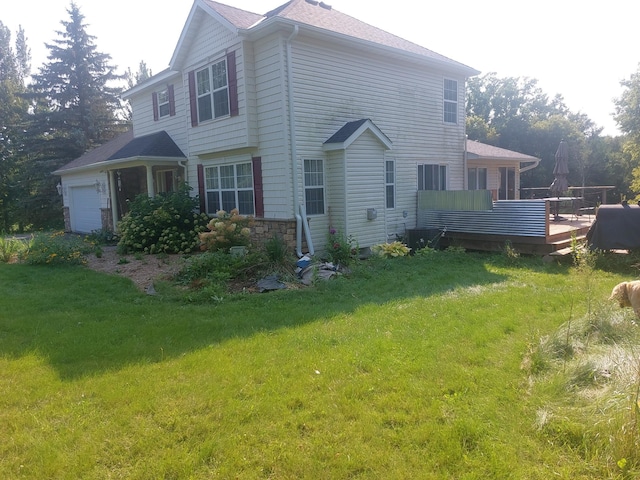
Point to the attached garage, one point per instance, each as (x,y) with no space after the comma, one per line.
(85,209)
(96,186)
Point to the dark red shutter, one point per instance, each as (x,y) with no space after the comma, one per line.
(172,101)
(201,192)
(233,83)
(154,98)
(258,190)
(192,98)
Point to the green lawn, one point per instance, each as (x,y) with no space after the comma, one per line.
(409,368)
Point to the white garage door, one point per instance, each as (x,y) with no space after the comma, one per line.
(84,209)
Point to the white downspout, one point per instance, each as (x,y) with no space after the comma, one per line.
(298,208)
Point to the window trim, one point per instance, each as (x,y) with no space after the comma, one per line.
(220,190)
(164,103)
(314,187)
(390,184)
(449,102)
(212,91)
(441,173)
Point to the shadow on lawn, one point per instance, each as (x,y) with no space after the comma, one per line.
(84,322)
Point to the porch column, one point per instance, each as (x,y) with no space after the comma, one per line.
(113,193)
(150,190)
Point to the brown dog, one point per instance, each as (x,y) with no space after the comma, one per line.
(627,294)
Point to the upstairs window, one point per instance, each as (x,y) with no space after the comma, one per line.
(212,92)
(432,177)
(450,101)
(163,103)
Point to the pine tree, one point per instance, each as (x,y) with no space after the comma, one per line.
(75,108)
(13,117)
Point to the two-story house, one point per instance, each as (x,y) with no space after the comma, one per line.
(304,117)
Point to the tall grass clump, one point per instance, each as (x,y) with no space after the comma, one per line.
(11,249)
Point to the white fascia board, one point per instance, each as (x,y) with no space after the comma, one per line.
(150,83)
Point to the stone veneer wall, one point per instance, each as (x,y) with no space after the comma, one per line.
(67,219)
(264,229)
(106,219)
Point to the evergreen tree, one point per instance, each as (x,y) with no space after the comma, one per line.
(14,66)
(75,109)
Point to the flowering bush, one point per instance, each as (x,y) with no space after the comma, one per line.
(56,249)
(394,249)
(228,229)
(166,223)
(341,250)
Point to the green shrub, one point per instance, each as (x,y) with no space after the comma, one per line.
(341,250)
(391,250)
(56,249)
(214,268)
(226,230)
(166,223)
(102,237)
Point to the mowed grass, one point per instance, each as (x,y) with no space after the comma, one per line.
(408,368)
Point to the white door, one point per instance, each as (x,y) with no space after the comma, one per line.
(84,209)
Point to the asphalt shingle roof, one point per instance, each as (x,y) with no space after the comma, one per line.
(126,146)
(322,16)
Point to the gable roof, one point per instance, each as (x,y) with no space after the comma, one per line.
(157,146)
(350,131)
(481,151)
(315,17)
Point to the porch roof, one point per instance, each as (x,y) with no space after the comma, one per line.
(481,151)
(156,147)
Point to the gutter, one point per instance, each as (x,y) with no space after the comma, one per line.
(531,166)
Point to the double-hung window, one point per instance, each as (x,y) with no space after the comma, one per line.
(212,89)
(477,178)
(228,187)
(450,101)
(164,109)
(390,183)
(432,177)
(314,186)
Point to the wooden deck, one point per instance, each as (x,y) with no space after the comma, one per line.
(557,242)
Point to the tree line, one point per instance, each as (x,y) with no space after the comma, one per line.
(72,104)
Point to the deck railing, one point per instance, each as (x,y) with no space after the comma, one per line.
(437,210)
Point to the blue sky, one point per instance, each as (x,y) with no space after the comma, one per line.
(581,50)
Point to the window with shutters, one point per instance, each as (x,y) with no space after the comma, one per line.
(228,187)
(163,103)
(212,91)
